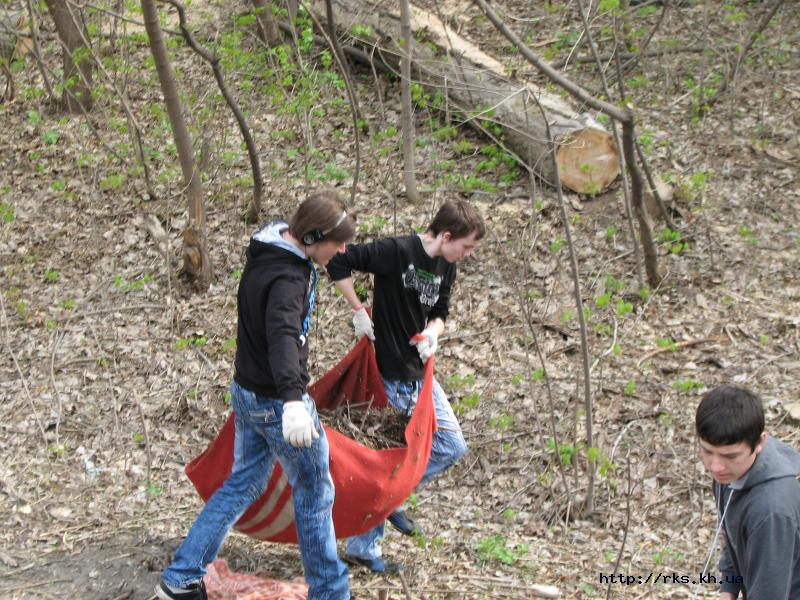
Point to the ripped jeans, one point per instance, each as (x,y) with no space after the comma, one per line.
(447,448)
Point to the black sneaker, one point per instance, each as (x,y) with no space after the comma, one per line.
(404,524)
(376,565)
(195,591)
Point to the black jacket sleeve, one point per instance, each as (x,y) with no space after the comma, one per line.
(283,323)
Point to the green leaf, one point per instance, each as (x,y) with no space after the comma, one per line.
(51,137)
(7,212)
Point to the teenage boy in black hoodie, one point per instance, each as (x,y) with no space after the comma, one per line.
(413,276)
(275,417)
(757,494)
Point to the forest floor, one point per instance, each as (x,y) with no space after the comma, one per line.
(112,379)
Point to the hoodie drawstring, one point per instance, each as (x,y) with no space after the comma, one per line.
(311,295)
(714,541)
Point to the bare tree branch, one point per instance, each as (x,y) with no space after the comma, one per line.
(625,190)
(734,69)
(407,117)
(576,282)
(252,153)
(333,43)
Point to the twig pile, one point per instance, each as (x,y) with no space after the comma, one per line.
(376,428)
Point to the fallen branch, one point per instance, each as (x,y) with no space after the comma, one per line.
(629,56)
(104,311)
(677,345)
(30,586)
(538,590)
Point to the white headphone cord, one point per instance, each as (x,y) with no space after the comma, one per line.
(713,544)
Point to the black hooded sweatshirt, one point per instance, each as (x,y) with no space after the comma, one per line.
(273,302)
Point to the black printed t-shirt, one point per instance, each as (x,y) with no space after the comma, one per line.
(410,289)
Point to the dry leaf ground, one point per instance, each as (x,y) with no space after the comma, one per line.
(111,380)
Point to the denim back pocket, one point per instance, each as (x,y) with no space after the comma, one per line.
(263,415)
(255,408)
(405,398)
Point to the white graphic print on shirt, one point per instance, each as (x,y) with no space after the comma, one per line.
(424,283)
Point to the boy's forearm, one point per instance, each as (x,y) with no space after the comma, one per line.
(348,291)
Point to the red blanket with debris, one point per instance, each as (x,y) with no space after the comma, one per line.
(369,483)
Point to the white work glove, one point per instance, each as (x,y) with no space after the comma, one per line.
(298,426)
(362,323)
(427,346)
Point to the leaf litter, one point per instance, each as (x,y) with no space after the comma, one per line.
(111,380)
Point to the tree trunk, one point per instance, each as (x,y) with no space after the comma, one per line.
(645,227)
(77,60)
(196,268)
(407,117)
(14,40)
(13,44)
(476,84)
(268,31)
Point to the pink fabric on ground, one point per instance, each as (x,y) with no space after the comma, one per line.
(223,584)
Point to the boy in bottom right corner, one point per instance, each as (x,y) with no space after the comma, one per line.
(757,494)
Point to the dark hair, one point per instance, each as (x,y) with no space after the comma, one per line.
(459,218)
(322,217)
(729,415)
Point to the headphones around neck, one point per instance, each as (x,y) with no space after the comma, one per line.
(317,235)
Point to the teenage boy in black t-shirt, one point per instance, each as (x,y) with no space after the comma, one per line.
(413,276)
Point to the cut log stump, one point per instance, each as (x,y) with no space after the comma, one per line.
(477,86)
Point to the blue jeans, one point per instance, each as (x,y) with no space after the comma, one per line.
(258,442)
(448,446)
